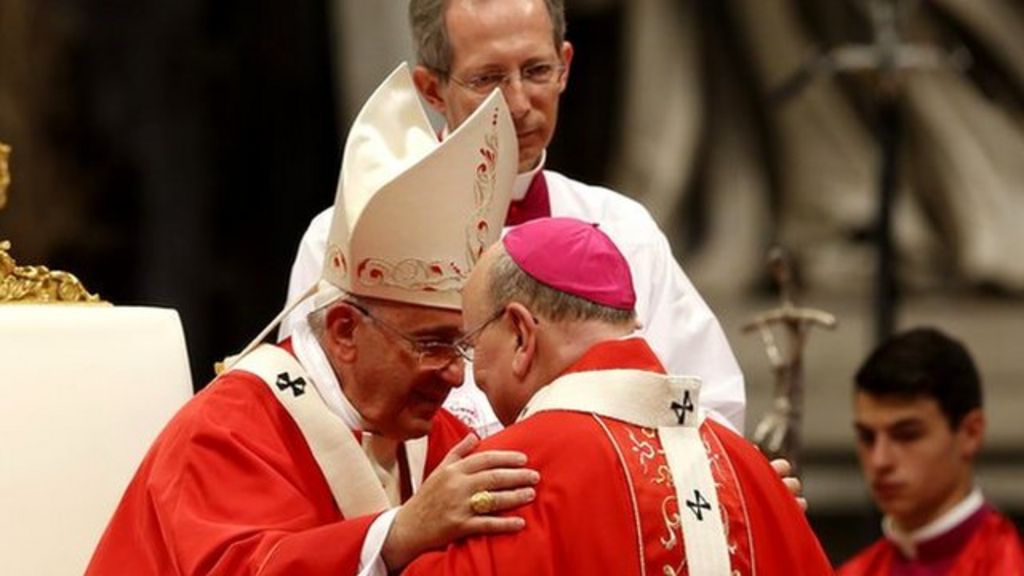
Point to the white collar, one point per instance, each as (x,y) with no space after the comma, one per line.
(311,356)
(908,542)
(638,397)
(521,185)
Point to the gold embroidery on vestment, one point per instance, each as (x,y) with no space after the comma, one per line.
(719,473)
(643,449)
(646,450)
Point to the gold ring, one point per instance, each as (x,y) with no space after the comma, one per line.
(482,502)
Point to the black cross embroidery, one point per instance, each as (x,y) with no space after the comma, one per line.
(682,409)
(298,385)
(698,505)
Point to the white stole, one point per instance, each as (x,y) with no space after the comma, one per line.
(354,484)
(671,405)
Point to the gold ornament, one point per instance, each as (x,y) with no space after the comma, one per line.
(5,173)
(38,284)
(33,284)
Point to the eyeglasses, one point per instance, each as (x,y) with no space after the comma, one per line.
(538,75)
(431,354)
(467,344)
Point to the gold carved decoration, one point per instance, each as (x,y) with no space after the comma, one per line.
(5,173)
(33,284)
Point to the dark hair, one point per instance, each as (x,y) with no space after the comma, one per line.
(924,362)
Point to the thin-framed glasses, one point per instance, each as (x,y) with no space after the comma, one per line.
(467,344)
(431,354)
(538,75)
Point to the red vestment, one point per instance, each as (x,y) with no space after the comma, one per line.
(606,503)
(231,487)
(984,544)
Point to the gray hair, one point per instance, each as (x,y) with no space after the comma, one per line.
(430,35)
(508,282)
(317,320)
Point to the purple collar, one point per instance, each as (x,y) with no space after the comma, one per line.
(936,555)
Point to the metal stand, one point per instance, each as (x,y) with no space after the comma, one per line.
(889,60)
(778,434)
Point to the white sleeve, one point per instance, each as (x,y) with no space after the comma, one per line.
(306,270)
(370,561)
(678,324)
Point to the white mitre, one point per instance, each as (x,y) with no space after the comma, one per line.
(413,214)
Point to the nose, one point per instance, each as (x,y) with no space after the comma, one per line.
(454,373)
(880,455)
(514,90)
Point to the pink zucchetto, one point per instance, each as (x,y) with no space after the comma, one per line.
(574,257)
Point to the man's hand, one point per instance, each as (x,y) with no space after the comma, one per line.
(783,468)
(440,512)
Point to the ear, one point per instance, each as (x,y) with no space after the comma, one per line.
(525,329)
(972,433)
(567,52)
(429,85)
(339,337)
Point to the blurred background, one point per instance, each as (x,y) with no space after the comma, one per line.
(172,153)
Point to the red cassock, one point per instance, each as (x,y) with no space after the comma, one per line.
(986,544)
(230,487)
(606,503)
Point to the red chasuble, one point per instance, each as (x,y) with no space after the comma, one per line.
(985,544)
(606,503)
(230,487)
